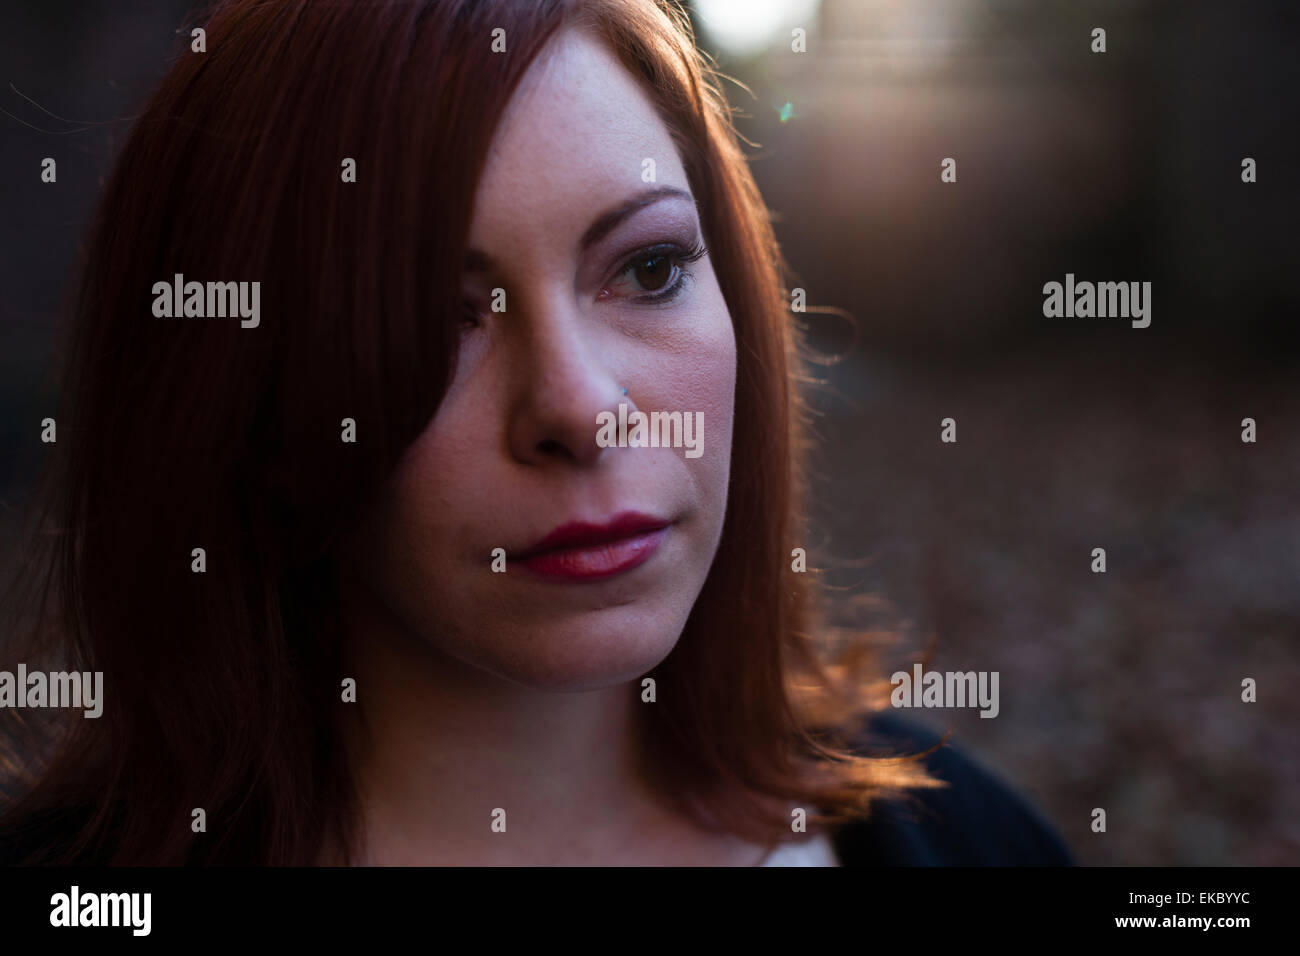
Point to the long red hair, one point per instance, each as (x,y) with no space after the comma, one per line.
(222,688)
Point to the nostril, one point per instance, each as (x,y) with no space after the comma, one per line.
(552,447)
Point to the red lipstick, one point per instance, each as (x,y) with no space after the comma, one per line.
(580,551)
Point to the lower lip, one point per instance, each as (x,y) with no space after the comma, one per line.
(594,562)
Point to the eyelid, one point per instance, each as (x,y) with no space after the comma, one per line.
(663,297)
(693,247)
(681,254)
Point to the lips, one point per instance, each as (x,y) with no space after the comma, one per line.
(582,551)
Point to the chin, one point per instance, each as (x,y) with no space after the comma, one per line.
(604,648)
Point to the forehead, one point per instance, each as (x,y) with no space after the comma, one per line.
(576,132)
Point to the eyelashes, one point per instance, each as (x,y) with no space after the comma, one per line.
(646,262)
(644,269)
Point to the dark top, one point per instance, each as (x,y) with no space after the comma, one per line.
(976,821)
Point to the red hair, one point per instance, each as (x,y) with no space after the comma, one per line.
(222,688)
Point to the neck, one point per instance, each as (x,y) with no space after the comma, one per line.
(440,748)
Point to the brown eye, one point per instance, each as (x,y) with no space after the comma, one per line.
(655,275)
(653,272)
(469,314)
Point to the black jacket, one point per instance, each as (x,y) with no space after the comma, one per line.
(978,820)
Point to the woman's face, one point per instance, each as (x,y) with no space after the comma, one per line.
(598,299)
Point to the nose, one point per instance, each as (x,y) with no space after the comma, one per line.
(561,383)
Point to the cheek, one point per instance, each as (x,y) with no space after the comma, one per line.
(410,542)
(404,543)
(702,378)
(445,480)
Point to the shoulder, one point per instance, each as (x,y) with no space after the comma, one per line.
(976,820)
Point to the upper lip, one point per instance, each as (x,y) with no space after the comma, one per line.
(582,534)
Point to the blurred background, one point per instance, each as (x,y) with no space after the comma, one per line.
(1119,690)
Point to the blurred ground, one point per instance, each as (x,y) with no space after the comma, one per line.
(1118,690)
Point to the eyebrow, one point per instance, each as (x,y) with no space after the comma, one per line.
(605,223)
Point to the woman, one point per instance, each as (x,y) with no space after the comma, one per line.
(371,576)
